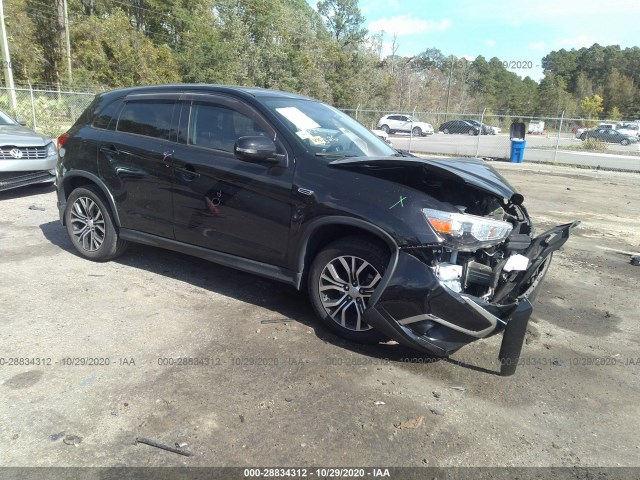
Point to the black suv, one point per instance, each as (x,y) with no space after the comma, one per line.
(432,253)
(471,127)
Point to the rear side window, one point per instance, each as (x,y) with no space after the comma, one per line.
(148,118)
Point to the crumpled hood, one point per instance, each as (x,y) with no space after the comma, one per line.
(20,136)
(471,171)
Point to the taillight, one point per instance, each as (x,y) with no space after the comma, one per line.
(62,139)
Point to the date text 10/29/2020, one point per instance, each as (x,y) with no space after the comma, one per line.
(316,472)
(518,64)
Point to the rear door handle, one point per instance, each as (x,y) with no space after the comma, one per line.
(110,150)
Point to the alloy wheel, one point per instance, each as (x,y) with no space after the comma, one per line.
(345,286)
(87,223)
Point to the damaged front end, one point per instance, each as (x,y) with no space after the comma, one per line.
(478,279)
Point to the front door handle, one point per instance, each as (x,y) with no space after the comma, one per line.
(188,172)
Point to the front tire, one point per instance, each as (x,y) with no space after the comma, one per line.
(90,225)
(446,131)
(473,132)
(624,141)
(342,279)
(417,132)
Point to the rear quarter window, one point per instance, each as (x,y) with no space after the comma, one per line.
(108,116)
(89,112)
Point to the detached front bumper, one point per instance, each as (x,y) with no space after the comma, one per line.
(414,308)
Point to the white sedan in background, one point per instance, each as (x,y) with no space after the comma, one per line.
(382,135)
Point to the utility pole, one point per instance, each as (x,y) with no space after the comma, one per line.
(66,31)
(8,71)
(449,89)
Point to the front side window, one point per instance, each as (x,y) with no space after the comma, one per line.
(325,131)
(148,118)
(218,127)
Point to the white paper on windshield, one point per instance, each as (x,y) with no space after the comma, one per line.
(298,118)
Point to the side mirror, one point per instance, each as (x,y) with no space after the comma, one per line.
(256,150)
(21,121)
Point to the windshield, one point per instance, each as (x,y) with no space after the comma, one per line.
(326,131)
(6,119)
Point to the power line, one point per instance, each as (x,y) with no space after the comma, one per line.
(130,5)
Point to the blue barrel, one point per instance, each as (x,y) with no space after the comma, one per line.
(517,150)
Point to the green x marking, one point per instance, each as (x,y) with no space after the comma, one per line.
(402,199)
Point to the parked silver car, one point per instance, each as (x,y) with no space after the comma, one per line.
(26,157)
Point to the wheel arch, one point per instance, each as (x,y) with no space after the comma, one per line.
(76,179)
(321,232)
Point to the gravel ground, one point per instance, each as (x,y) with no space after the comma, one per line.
(289,393)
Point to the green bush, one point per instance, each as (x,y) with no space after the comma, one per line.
(594,145)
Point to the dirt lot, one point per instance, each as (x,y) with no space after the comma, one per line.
(287,394)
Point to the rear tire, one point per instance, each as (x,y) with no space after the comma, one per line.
(342,279)
(90,225)
(445,131)
(385,129)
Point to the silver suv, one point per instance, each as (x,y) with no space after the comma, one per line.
(26,157)
(404,123)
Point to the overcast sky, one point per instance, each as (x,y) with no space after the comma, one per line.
(511,30)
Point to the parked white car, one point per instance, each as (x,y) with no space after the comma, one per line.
(579,131)
(536,127)
(631,129)
(404,123)
(382,135)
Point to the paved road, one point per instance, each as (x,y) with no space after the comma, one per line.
(540,149)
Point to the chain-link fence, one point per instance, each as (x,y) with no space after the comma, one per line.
(548,139)
(49,112)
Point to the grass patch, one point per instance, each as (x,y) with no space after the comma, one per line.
(594,145)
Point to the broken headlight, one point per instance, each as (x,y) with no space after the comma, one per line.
(464,232)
